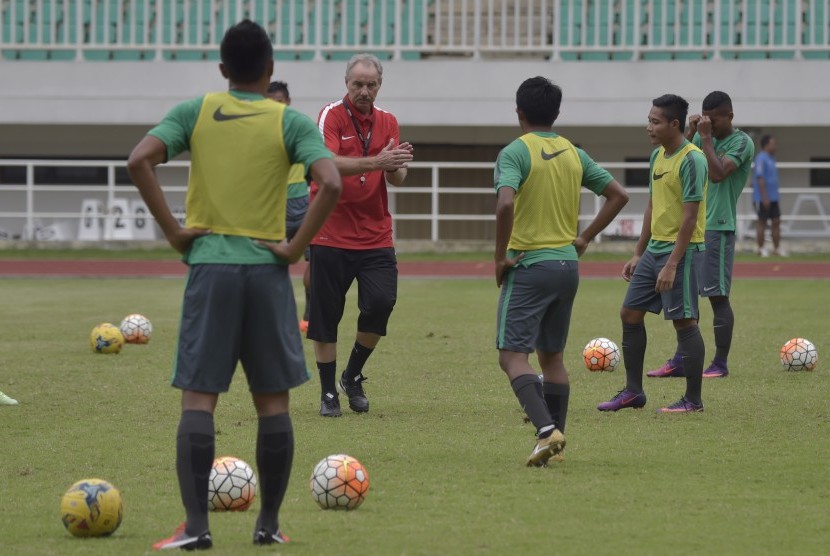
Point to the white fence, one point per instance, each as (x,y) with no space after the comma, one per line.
(411,29)
(114,211)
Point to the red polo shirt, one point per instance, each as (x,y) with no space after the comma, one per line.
(361,219)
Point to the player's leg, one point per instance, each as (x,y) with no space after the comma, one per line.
(639,298)
(761,229)
(525,296)
(307,288)
(295,211)
(563,281)
(206,358)
(681,304)
(716,283)
(272,356)
(331,277)
(775,216)
(377,293)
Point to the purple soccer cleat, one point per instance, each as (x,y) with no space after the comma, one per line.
(624,399)
(716,370)
(681,406)
(669,368)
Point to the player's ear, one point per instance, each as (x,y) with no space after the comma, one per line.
(223,70)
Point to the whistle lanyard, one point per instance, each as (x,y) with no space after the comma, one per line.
(365,140)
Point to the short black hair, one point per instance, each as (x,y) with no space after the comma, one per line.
(717,99)
(539,100)
(246,50)
(765,140)
(673,107)
(279,87)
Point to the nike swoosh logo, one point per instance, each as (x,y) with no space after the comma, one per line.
(656,176)
(551,156)
(344,138)
(710,288)
(673,309)
(220,116)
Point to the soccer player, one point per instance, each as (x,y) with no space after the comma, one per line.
(238,302)
(6,400)
(297,199)
(662,274)
(538,180)
(765,196)
(356,242)
(729,153)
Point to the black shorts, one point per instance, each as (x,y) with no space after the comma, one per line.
(774,211)
(235,313)
(332,272)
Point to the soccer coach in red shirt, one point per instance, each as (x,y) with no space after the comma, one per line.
(355,243)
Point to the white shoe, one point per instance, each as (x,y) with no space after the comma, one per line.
(780,252)
(5,400)
(762,251)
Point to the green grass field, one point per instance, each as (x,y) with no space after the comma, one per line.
(444,443)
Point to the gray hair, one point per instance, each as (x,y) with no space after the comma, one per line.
(364,59)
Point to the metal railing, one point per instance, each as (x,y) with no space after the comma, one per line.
(109,210)
(415,29)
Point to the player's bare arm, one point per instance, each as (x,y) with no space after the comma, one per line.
(504,227)
(616,198)
(720,168)
(762,191)
(640,247)
(149,153)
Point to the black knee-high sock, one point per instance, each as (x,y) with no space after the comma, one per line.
(556,397)
(327,377)
(694,351)
(724,323)
(634,342)
(195,448)
(274,456)
(307,304)
(528,391)
(360,354)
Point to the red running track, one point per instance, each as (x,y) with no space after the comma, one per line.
(433,269)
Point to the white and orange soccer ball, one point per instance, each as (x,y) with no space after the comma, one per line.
(106,338)
(136,329)
(601,355)
(799,354)
(339,482)
(231,486)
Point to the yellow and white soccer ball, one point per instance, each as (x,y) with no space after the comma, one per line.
(106,338)
(92,508)
(136,329)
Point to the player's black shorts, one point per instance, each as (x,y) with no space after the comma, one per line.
(295,211)
(774,211)
(332,272)
(235,313)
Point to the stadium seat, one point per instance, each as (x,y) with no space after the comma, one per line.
(815,33)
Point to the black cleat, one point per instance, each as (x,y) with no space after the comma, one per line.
(330,405)
(354,389)
(263,537)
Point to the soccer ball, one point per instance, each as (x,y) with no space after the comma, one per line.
(601,354)
(231,486)
(799,354)
(136,329)
(91,508)
(106,338)
(339,482)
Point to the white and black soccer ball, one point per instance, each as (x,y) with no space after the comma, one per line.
(136,329)
(339,482)
(231,486)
